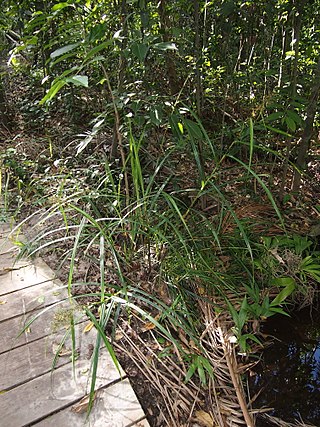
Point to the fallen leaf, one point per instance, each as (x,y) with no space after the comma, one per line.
(63,352)
(148,326)
(119,335)
(205,419)
(3,302)
(88,327)
(82,406)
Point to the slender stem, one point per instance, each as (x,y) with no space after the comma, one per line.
(118,136)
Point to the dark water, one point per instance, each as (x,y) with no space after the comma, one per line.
(289,373)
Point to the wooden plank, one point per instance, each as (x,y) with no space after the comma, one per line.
(8,264)
(43,326)
(142,423)
(26,363)
(5,229)
(7,247)
(26,300)
(34,395)
(21,276)
(115,406)
(10,329)
(32,401)
(34,359)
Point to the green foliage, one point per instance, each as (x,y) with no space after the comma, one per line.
(162,198)
(202,367)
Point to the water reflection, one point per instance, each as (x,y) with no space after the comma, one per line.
(289,374)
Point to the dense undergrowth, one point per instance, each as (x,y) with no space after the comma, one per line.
(162,157)
(163,246)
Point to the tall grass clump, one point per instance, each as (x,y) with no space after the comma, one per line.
(175,259)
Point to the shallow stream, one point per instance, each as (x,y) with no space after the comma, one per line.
(289,373)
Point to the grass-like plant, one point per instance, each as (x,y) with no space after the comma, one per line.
(196,278)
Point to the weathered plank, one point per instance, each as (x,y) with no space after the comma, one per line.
(7,246)
(44,395)
(142,423)
(26,300)
(25,363)
(46,324)
(21,276)
(115,406)
(34,359)
(5,228)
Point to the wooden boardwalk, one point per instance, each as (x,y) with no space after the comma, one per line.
(31,392)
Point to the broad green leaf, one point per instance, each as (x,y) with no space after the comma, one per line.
(165,46)
(97,32)
(282,281)
(201,374)
(140,51)
(287,291)
(294,116)
(193,128)
(190,372)
(228,8)
(78,80)
(207,366)
(63,50)
(291,124)
(61,58)
(53,91)
(174,121)
(97,49)
(60,6)
(278,311)
(32,41)
(274,116)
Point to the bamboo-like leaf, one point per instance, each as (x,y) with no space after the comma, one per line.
(78,80)
(53,91)
(102,334)
(60,6)
(165,46)
(283,295)
(64,49)
(97,49)
(140,51)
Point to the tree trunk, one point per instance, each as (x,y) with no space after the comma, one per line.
(116,136)
(4,118)
(198,54)
(169,56)
(301,162)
